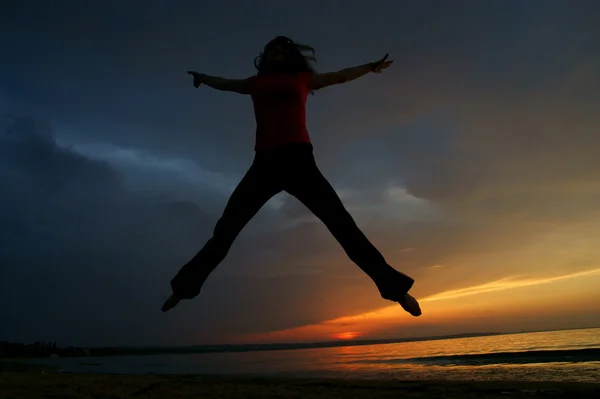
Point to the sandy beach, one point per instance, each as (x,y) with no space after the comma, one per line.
(20,381)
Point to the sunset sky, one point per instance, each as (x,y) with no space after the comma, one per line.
(472,164)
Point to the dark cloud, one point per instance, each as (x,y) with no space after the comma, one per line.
(76,244)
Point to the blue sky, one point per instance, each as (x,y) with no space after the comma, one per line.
(473,159)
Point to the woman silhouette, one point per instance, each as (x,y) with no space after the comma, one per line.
(284,162)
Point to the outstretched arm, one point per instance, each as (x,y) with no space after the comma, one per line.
(322,80)
(235,85)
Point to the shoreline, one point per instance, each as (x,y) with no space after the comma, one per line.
(32,381)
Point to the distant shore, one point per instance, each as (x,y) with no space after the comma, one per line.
(29,382)
(16,350)
(12,350)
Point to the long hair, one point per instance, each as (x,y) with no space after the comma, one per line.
(296,61)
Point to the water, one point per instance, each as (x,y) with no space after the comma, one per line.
(572,355)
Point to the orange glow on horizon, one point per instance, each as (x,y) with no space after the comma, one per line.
(451,307)
(348,335)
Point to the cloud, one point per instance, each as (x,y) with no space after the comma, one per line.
(127,159)
(507,283)
(76,240)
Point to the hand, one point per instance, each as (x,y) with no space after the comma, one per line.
(198,78)
(379,66)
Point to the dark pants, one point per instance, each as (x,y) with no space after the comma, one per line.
(291,169)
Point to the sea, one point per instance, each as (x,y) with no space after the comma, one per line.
(568,356)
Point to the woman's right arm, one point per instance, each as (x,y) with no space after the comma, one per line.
(241,86)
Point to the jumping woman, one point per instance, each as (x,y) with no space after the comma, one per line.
(284,162)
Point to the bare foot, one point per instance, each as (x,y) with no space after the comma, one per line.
(410,304)
(170,303)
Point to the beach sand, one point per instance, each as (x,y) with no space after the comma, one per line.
(26,382)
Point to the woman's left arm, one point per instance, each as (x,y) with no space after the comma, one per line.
(321,80)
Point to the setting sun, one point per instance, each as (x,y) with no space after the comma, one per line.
(348,335)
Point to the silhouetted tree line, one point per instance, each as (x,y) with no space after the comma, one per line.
(37,349)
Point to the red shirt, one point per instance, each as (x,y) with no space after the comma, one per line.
(280,109)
